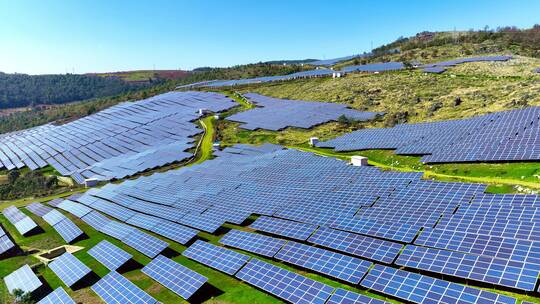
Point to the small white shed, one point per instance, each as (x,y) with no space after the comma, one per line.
(358,160)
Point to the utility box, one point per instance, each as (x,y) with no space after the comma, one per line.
(359,161)
(90,182)
(313,141)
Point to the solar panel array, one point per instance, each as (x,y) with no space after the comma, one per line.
(217,257)
(115,289)
(284,284)
(5,242)
(333,264)
(342,296)
(23,279)
(252,242)
(22,222)
(440,67)
(417,288)
(69,269)
(109,255)
(58,296)
(502,136)
(276,114)
(178,278)
(330,62)
(343,219)
(63,225)
(117,142)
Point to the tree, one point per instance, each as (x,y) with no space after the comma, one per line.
(12,176)
(22,297)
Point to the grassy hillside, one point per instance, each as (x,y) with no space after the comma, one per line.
(148,76)
(414,96)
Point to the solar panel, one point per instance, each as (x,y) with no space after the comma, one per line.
(145,243)
(79,210)
(294,230)
(69,269)
(502,272)
(68,230)
(116,229)
(5,244)
(109,255)
(58,296)
(115,289)
(336,265)
(96,220)
(342,296)
(53,217)
(358,245)
(25,225)
(419,288)
(256,243)
(23,279)
(178,278)
(176,232)
(284,284)
(216,257)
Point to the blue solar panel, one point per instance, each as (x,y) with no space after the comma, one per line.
(115,289)
(336,265)
(176,232)
(53,217)
(216,257)
(417,288)
(342,296)
(58,296)
(68,230)
(284,284)
(109,255)
(69,269)
(145,243)
(5,243)
(362,246)
(494,246)
(178,278)
(502,272)
(23,279)
(294,230)
(256,243)
(276,114)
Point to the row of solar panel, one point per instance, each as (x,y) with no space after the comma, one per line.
(507,135)
(22,222)
(276,114)
(63,225)
(117,142)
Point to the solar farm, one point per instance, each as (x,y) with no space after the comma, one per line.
(276,114)
(502,136)
(301,228)
(115,143)
(270,223)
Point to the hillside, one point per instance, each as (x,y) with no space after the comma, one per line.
(21,90)
(145,76)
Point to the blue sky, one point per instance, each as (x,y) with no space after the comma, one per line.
(40,37)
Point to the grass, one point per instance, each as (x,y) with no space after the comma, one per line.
(206,144)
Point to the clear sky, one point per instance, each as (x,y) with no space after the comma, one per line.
(52,36)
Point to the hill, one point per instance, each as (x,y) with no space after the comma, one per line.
(145,76)
(21,90)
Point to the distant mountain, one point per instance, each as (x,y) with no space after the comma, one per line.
(22,90)
(145,76)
